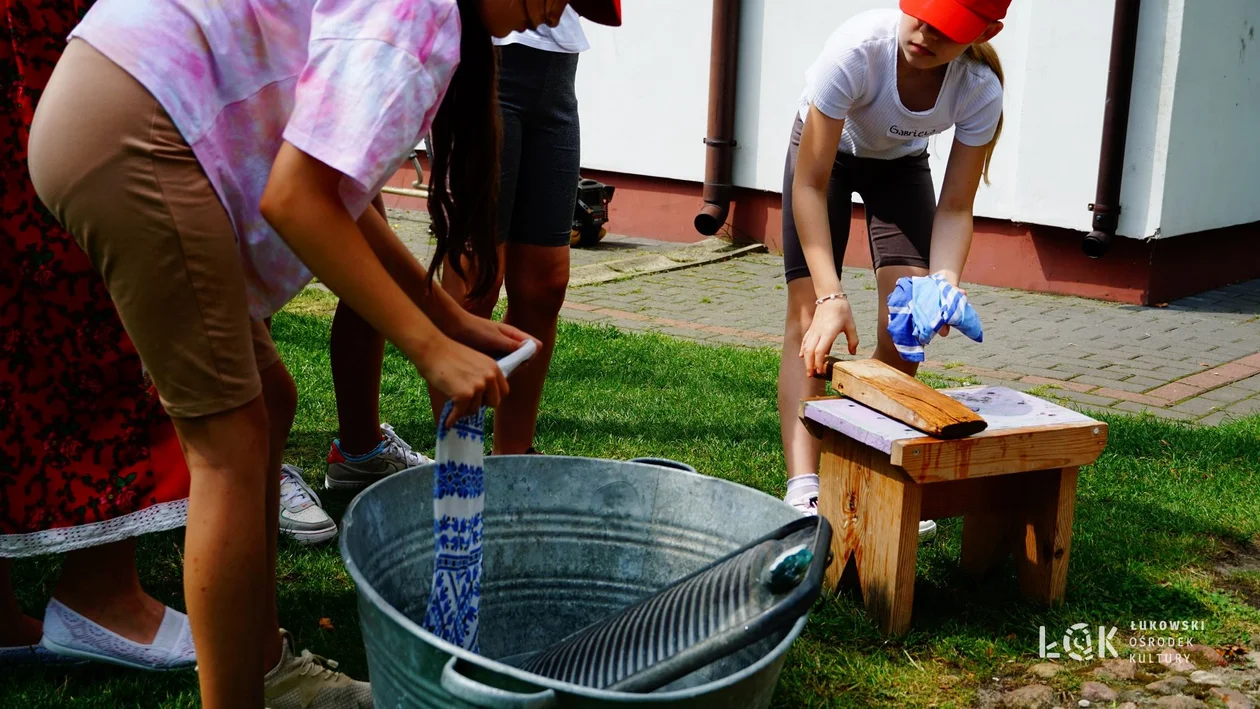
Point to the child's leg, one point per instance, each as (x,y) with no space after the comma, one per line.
(540,117)
(102,584)
(800,449)
(537,278)
(280,396)
(225,555)
(357,353)
(16,628)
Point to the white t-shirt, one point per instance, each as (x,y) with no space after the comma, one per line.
(855,79)
(566,37)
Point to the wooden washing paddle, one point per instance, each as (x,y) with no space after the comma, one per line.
(900,396)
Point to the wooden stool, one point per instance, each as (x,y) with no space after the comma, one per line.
(1014,484)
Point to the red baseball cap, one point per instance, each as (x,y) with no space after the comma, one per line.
(605,12)
(960,20)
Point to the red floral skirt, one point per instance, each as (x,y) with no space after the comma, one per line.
(87,455)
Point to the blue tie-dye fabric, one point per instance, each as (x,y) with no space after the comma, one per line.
(918,307)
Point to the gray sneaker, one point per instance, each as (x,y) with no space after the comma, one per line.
(301,515)
(354,472)
(309,681)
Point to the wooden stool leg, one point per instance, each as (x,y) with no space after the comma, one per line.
(840,486)
(1045,533)
(874,511)
(889,548)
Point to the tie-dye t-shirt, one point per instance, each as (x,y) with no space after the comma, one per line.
(353,83)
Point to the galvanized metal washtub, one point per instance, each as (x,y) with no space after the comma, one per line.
(567,541)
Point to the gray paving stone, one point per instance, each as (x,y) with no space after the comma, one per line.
(1198,406)
(1146,383)
(1227,394)
(1039,372)
(1217,418)
(1090,399)
(1250,384)
(1136,408)
(1246,407)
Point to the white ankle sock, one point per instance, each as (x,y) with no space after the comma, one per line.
(801,487)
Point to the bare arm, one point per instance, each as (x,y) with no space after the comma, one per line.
(952,228)
(302,202)
(820,140)
(436,303)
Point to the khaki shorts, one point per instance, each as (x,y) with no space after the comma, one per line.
(110,164)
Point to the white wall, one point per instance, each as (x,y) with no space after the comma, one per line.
(644,92)
(1213,152)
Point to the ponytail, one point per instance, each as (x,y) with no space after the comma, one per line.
(464,149)
(984,53)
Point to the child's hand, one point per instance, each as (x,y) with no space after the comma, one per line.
(487,335)
(830,319)
(469,378)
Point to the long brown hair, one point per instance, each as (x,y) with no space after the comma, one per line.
(464,150)
(984,53)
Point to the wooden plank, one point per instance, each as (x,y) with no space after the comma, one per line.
(904,398)
(1045,534)
(929,460)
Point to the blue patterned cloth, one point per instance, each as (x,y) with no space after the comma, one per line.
(459,497)
(920,306)
(459,502)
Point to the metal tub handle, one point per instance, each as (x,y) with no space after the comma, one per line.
(486,697)
(665,463)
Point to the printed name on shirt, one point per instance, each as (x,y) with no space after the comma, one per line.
(898,132)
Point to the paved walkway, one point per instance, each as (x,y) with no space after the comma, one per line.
(1197,359)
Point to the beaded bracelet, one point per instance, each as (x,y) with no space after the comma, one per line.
(833,296)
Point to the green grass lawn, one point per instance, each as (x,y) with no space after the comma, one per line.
(1157,519)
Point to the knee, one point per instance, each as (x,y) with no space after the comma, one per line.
(483,305)
(280,394)
(542,292)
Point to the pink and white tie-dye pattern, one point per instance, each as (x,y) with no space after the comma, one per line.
(353,83)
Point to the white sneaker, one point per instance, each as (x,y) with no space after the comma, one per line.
(301,514)
(927,530)
(392,455)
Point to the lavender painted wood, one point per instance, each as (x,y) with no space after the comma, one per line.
(1002,408)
